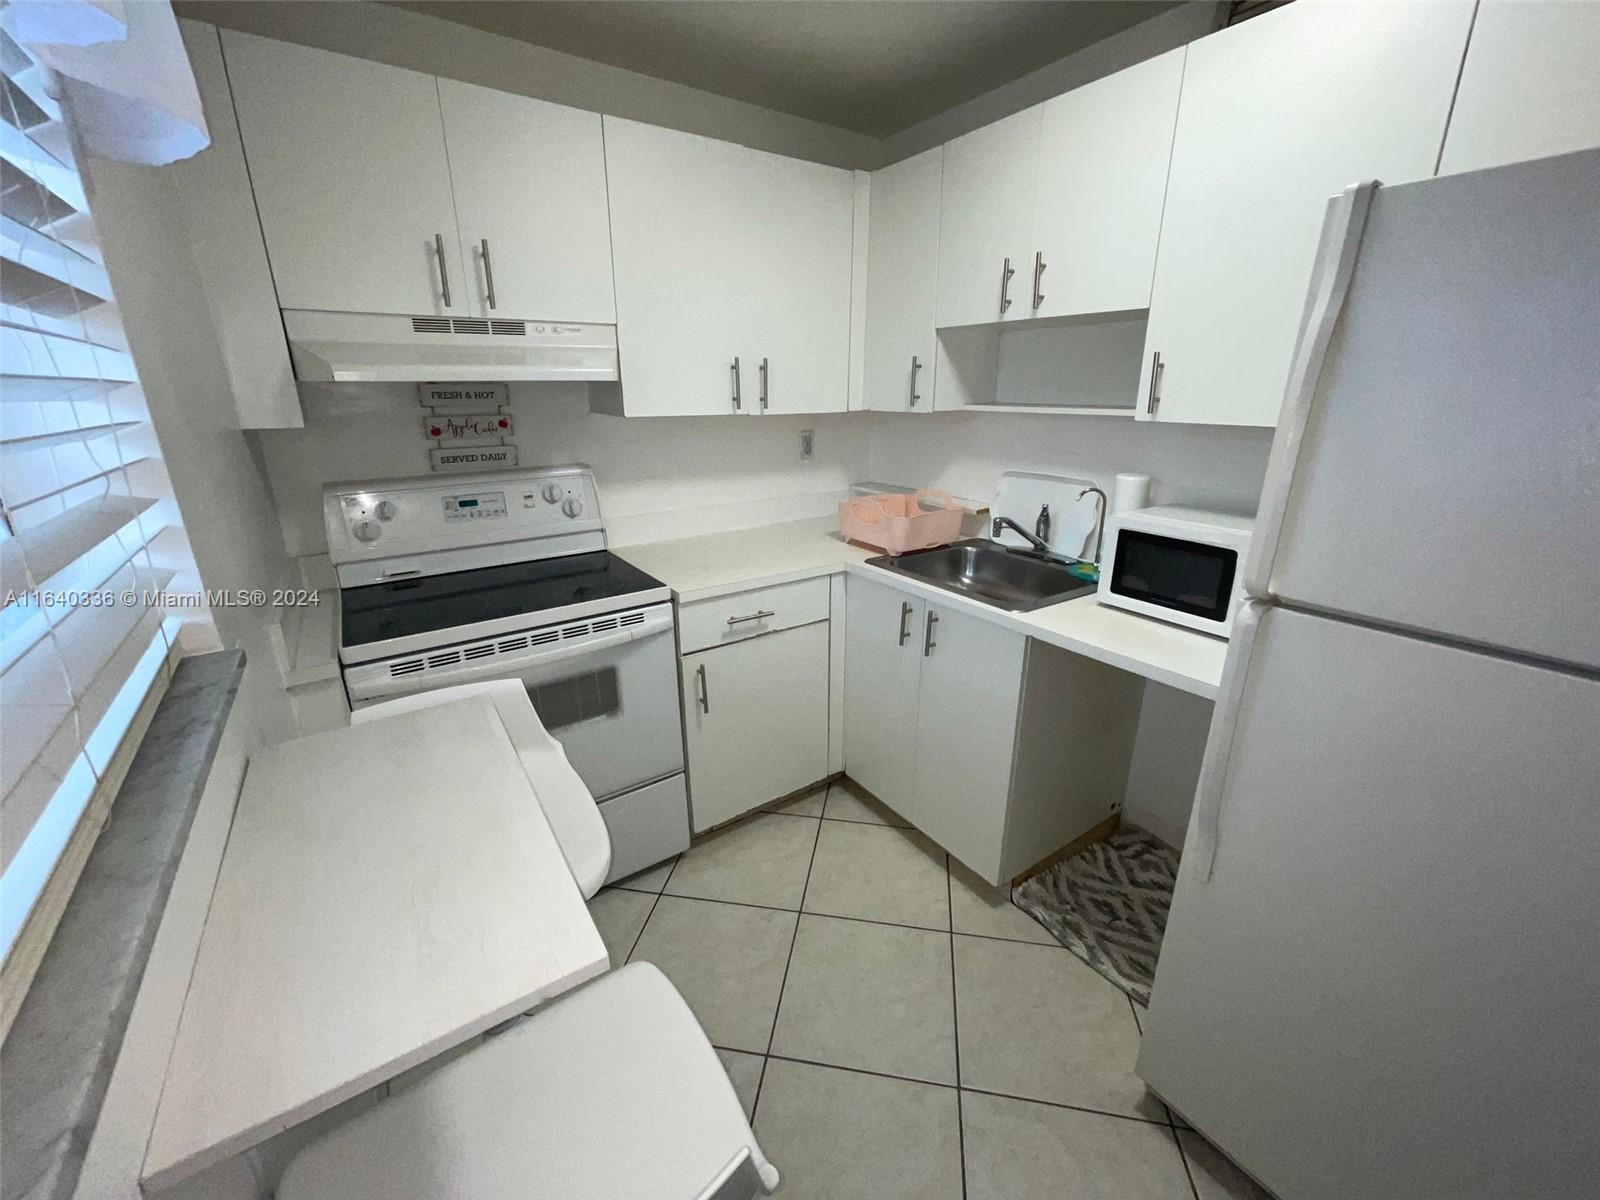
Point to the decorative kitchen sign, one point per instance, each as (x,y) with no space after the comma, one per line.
(454,427)
(463,395)
(472,458)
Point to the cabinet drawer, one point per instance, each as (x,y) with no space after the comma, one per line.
(724,619)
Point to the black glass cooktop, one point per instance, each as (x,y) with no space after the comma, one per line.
(428,604)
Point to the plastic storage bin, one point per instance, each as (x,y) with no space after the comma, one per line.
(900,523)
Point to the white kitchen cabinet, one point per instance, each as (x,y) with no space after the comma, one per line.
(999,748)
(902,279)
(883,669)
(529,180)
(1102,177)
(966,729)
(986,222)
(725,254)
(1530,86)
(756,716)
(1277,115)
(347,160)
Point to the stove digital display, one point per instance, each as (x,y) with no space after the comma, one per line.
(474,505)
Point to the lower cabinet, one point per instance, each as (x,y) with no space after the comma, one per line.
(1000,748)
(756,721)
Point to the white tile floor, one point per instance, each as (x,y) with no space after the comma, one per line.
(896,1027)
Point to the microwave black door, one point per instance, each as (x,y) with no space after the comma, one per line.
(1187,577)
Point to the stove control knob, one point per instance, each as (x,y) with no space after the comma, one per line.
(368,531)
(553,492)
(386,510)
(573,507)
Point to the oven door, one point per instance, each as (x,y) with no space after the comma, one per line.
(606,688)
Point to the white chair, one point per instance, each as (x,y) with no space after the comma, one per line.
(574,816)
(609,1093)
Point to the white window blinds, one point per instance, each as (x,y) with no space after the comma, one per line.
(91,539)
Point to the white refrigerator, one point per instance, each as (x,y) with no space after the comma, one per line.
(1381,974)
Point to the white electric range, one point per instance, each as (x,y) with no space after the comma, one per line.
(452,579)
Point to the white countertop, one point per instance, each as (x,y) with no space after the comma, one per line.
(698,568)
(389,890)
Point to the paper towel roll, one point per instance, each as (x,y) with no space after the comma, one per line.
(1130,491)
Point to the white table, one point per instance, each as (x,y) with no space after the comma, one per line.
(388,891)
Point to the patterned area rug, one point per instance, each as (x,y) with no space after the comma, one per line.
(1108,904)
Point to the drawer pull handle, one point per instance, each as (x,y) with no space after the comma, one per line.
(928,644)
(755,616)
(705,692)
(905,623)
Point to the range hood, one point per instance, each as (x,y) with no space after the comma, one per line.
(370,348)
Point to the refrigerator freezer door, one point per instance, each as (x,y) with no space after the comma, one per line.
(1387,987)
(1442,470)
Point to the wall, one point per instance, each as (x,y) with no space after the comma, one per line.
(218,476)
(964,453)
(659,477)
(1167,752)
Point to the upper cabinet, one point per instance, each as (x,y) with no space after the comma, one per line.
(382,190)
(902,275)
(732,276)
(1279,114)
(347,160)
(986,222)
(1530,85)
(529,180)
(1102,177)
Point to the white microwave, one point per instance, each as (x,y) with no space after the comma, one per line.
(1184,565)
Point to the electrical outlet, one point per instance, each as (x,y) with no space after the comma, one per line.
(806,443)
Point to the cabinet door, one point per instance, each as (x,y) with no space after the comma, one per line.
(530,179)
(1279,114)
(966,727)
(348,165)
(757,721)
(986,220)
(902,276)
(1104,149)
(882,664)
(681,246)
(1529,86)
(797,221)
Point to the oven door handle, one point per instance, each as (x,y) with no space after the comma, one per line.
(500,665)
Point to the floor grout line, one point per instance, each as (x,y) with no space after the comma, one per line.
(811,912)
(795,936)
(653,905)
(1188,1172)
(955,1026)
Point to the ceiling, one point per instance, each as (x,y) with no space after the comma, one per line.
(871,66)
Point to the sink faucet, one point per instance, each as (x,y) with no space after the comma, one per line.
(1100,521)
(1038,543)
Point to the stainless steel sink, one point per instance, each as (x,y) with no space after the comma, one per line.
(1015,580)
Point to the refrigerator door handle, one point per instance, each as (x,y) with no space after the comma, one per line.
(1337,249)
(1201,853)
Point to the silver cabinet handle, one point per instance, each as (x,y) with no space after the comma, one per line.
(928,644)
(764,375)
(755,616)
(1153,397)
(488,270)
(905,623)
(444,271)
(1038,274)
(704,691)
(916,365)
(738,402)
(1005,285)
